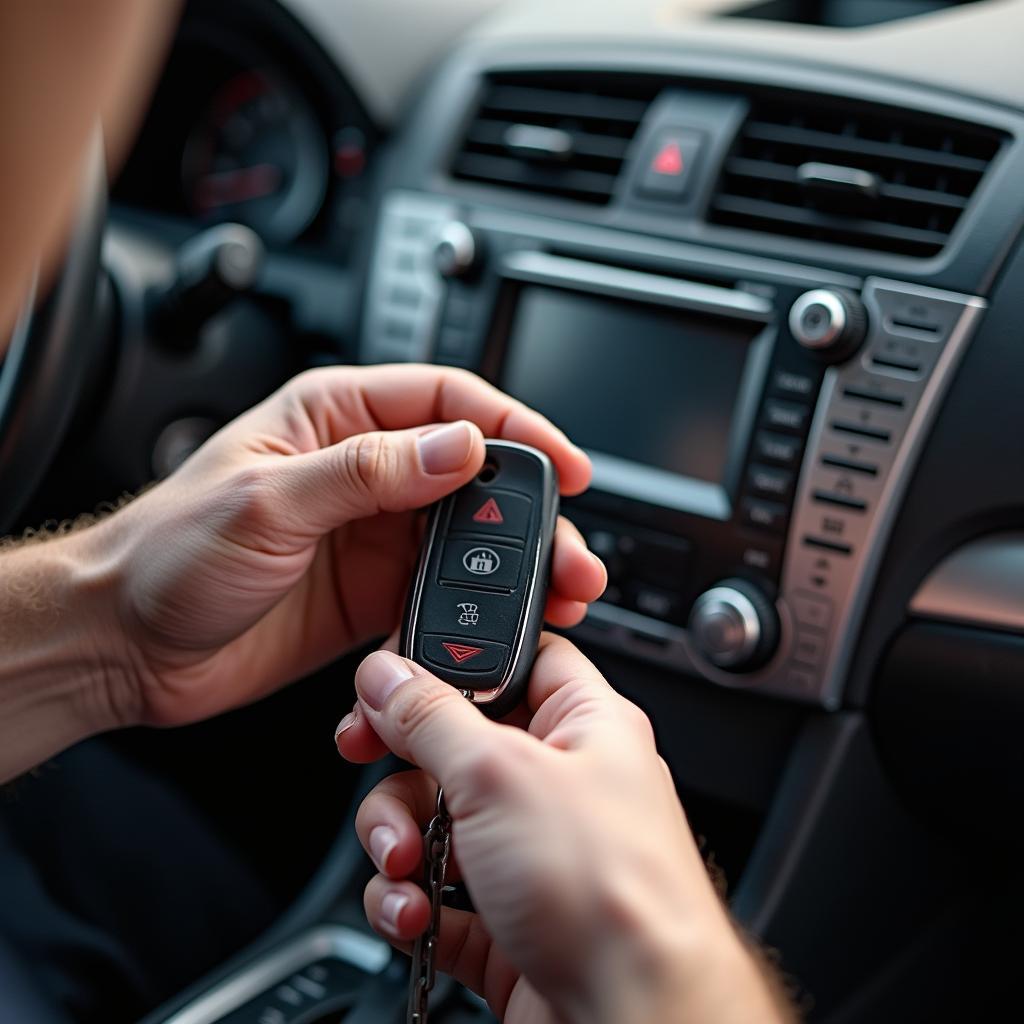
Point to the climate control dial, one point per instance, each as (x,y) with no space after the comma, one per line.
(829,321)
(734,625)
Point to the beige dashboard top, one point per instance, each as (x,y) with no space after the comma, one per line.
(385,46)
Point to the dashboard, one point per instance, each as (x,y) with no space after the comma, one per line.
(762,260)
(252,124)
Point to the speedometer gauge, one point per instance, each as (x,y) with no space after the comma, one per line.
(257,155)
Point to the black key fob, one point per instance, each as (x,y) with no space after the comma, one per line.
(476,605)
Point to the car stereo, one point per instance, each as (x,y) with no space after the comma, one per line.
(751,422)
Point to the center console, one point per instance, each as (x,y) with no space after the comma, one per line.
(752,423)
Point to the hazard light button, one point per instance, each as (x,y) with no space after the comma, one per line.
(669,164)
(492,511)
(462,654)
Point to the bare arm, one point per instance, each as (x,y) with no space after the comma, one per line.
(64,67)
(54,675)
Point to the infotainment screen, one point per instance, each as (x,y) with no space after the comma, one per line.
(640,386)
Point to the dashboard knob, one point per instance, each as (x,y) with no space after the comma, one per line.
(734,625)
(213,269)
(456,251)
(829,321)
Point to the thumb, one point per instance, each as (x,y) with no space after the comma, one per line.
(388,470)
(428,722)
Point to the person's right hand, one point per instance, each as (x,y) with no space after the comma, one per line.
(593,903)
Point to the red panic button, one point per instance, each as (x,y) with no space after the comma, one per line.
(670,164)
(668,159)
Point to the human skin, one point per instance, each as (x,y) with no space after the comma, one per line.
(65,68)
(592,901)
(287,540)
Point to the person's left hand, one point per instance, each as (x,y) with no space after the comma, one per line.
(290,537)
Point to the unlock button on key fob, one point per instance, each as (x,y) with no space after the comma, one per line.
(479,563)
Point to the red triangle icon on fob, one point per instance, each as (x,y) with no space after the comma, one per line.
(462,652)
(488,512)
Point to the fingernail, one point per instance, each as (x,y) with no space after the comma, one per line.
(379,676)
(391,907)
(383,839)
(446,449)
(344,725)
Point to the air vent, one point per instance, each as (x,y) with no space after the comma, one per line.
(564,135)
(875,178)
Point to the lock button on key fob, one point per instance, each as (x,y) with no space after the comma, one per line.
(476,606)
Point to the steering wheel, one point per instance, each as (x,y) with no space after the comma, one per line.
(51,349)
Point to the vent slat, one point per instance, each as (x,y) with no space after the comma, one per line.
(555,180)
(892,181)
(764,210)
(766,171)
(851,144)
(491,134)
(598,113)
(563,103)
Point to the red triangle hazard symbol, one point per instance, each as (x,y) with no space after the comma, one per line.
(488,512)
(669,160)
(462,652)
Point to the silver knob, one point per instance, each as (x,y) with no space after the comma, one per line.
(733,625)
(829,321)
(455,250)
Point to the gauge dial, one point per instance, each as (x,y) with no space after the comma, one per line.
(258,156)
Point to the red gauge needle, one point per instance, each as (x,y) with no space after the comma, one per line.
(237,186)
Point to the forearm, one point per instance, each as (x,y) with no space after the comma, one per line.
(680,960)
(60,662)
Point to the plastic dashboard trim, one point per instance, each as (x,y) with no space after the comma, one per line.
(969,262)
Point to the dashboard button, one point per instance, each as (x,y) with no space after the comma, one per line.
(786,416)
(811,611)
(657,603)
(669,164)
(777,448)
(770,482)
(765,515)
(764,558)
(792,384)
(662,563)
(808,647)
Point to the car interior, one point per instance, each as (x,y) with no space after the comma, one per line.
(763,260)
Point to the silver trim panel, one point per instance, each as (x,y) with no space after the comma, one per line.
(825,589)
(405,293)
(330,941)
(543,268)
(980,584)
(842,520)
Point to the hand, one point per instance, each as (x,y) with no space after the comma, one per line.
(592,901)
(290,537)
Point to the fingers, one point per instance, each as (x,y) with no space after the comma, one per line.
(428,722)
(344,400)
(391,820)
(573,703)
(356,741)
(390,471)
(399,911)
(577,577)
